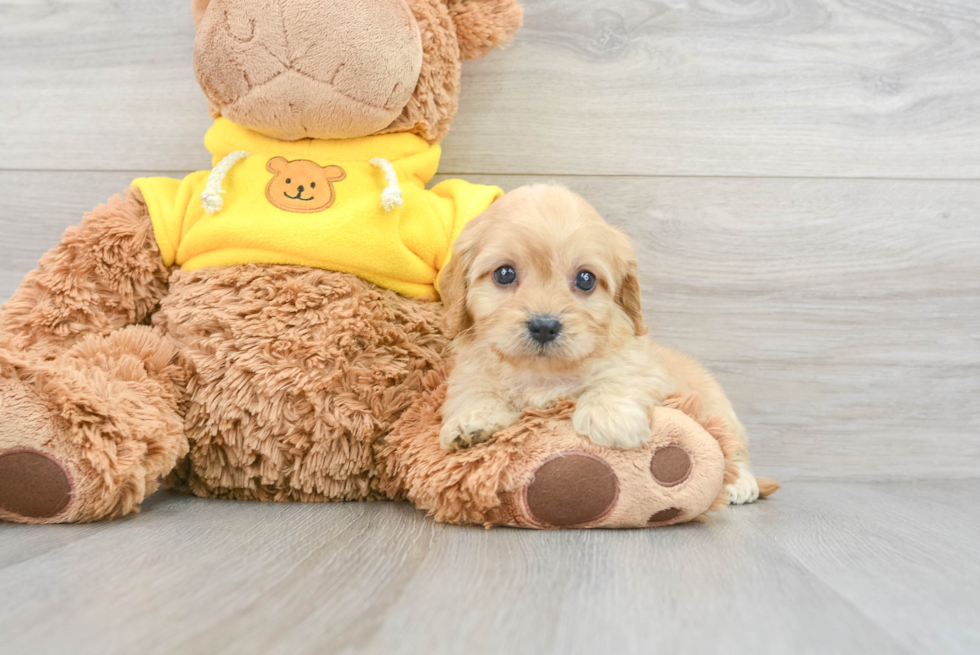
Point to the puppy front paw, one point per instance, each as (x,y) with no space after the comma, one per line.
(610,421)
(473,428)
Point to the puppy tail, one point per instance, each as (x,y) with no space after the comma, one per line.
(767,486)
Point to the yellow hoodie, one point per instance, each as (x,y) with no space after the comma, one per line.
(358,206)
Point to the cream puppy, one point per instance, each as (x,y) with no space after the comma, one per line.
(542,299)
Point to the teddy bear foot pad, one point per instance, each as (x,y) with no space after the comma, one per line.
(33,485)
(575,489)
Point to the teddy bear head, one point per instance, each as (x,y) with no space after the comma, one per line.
(329,69)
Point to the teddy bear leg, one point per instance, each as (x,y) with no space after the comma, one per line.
(88,405)
(88,435)
(34,483)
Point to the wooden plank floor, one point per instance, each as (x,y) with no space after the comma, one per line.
(823,568)
(802,182)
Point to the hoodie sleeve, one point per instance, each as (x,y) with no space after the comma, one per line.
(168,201)
(468,202)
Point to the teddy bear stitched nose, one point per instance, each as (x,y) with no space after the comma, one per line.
(300,188)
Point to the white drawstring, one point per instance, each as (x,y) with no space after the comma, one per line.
(211,198)
(392,195)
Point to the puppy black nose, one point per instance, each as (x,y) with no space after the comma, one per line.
(300,188)
(544,329)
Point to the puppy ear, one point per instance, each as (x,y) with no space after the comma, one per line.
(629,298)
(482,25)
(453,288)
(198,7)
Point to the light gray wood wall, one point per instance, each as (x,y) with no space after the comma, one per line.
(801,178)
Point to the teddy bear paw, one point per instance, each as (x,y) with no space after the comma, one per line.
(571,489)
(578,489)
(34,485)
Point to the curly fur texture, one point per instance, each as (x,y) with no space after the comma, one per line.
(483,25)
(109,409)
(273,381)
(298,372)
(104,275)
(97,392)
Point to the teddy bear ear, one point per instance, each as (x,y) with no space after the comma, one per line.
(198,7)
(482,25)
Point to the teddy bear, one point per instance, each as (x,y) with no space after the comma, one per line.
(249,332)
(265,330)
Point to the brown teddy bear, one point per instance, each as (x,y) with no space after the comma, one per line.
(255,331)
(241,345)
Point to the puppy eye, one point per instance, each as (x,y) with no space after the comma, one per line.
(312,185)
(289,180)
(585,281)
(505,275)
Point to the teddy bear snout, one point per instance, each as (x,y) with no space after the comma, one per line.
(334,72)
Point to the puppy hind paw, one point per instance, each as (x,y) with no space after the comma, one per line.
(744,490)
(612,422)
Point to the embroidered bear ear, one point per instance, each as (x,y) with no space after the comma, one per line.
(482,25)
(331,173)
(276,164)
(198,7)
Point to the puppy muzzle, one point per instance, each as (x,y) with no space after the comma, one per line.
(544,329)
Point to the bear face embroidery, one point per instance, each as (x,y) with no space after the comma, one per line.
(302,186)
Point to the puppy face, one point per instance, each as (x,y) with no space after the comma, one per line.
(543,281)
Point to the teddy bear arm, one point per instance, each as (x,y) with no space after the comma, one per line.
(105,274)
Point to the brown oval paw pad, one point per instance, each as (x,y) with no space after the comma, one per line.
(671,465)
(665,515)
(33,485)
(571,489)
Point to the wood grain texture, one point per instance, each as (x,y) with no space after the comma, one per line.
(862,88)
(842,316)
(197,576)
(903,555)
